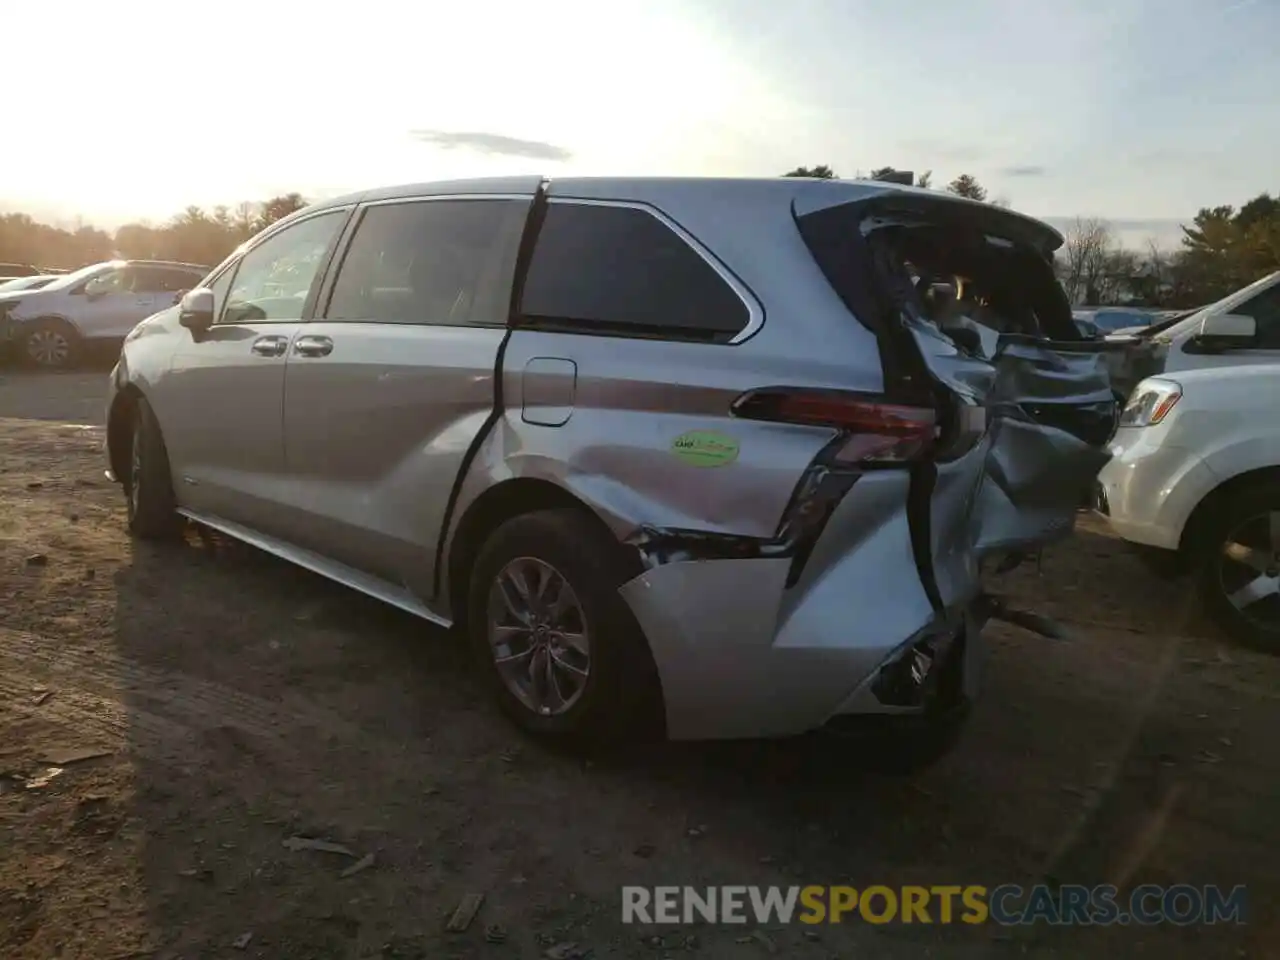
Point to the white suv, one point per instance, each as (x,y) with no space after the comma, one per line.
(1194,483)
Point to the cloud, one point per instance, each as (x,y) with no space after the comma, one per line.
(1029,170)
(492,143)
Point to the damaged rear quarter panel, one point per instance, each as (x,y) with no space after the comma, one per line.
(616,453)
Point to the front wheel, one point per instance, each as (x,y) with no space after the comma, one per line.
(50,344)
(148,485)
(560,649)
(1239,561)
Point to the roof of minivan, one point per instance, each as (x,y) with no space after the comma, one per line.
(808,194)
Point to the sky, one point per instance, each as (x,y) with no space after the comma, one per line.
(1139,111)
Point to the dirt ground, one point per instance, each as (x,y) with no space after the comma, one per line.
(239,702)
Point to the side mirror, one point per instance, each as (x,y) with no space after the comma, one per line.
(1226,331)
(195,310)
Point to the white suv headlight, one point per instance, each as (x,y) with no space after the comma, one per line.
(1150,402)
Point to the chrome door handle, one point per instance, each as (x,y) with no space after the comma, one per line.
(313,346)
(270,346)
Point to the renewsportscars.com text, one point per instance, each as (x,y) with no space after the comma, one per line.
(1008,904)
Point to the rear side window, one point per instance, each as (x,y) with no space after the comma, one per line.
(1265,310)
(623,271)
(163,280)
(435,262)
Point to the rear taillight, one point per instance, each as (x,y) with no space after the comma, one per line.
(878,432)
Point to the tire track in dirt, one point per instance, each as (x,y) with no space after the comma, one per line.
(151,709)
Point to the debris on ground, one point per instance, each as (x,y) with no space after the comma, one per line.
(38,560)
(465,913)
(762,938)
(43,779)
(494,933)
(567,951)
(67,756)
(242,941)
(310,843)
(41,697)
(364,863)
(645,850)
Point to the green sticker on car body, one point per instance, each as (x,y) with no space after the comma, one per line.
(705,448)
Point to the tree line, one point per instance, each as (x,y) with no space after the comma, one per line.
(193,236)
(1221,250)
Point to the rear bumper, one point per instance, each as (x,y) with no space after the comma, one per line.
(737,660)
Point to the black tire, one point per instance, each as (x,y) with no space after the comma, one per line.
(148,481)
(904,746)
(49,344)
(620,697)
(1240,519)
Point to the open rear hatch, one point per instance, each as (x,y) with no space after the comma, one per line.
(970,320)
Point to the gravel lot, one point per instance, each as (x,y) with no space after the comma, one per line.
(239,702)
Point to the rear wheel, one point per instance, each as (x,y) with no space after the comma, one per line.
(1239,561)
(50,344)
(148,484)
(559,648)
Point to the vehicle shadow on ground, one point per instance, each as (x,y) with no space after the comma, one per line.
(271,703)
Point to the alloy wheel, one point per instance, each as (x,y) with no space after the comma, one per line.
(538,636)
(48,348)
(1249,570)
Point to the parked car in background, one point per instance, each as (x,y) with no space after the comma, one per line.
(9,271)
(1194,484)
(692,449)
(95,306)
(27,283)
(1085,325)
(1241,328)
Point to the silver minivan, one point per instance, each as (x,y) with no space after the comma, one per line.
(708,453)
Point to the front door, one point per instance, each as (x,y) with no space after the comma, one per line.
(111,305)
(386,389)
(226,388)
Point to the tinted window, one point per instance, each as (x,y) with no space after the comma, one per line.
(1265,309)
(274,278)
(163,280)
(619,269)
(431,262)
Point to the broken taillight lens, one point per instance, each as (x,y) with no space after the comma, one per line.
(878,432)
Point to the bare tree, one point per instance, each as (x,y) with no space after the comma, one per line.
(1087,245)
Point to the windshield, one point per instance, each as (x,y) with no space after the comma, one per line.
(1184,324)
(84,273)
(24,283)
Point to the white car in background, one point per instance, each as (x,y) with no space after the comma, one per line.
(1194,483)
(1241,328)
